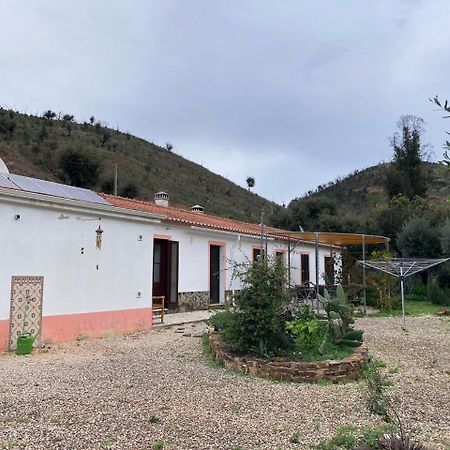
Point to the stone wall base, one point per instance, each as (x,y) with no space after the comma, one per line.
(193,301)
(288,370)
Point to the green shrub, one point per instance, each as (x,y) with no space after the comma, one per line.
(350,438)
(419,290)
(257,324)
(221,320)
(344,439)
(295,438)
(438,295)
(307,335)
(377,397)
(306,313)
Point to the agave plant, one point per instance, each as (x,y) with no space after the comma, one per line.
(340,320)
(395,442)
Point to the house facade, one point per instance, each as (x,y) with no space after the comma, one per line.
(75,264)
(195,254)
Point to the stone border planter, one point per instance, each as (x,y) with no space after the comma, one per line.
(288,370)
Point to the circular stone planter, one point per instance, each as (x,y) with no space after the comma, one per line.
(284,369)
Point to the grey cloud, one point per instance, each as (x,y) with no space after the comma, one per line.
(296,93)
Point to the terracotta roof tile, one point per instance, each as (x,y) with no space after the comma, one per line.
(184,216)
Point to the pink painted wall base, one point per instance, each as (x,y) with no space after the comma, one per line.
(68,327)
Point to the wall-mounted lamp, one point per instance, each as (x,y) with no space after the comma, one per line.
(98,239)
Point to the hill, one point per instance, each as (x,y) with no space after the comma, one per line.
(360,203)
(365,189)
(59,149)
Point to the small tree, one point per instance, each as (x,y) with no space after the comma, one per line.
(130,190)
(405,174)
(445,239)
(68,119)
(418,238)
(257,325)
(250,182)
(92,120)
(80,167)
(49,115)
(106,136)
(446,108)
(168,146)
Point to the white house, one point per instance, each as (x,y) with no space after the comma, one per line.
(75,264)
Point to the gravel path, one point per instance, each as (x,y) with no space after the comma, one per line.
(130,393)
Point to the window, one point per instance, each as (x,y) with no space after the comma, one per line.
(257,253)
(305,268)
(279,255)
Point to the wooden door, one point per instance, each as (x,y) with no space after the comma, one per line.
(165,271)
(305,268)
(214,275)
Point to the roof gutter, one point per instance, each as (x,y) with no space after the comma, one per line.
(227,233)
(76,206)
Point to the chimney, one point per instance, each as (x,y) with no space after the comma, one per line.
(197,209)
(162,199)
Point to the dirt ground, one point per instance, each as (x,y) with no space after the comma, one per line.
(133,392)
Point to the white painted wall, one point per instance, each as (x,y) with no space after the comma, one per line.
(194,255)
(48,241)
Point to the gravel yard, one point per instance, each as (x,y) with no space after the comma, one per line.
(131,392)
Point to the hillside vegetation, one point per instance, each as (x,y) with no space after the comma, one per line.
(56,148)
(405,200)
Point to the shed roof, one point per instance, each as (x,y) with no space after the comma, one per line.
(328,238)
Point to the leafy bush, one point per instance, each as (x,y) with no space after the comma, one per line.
(438,295)
(419,290)
(307,335)
(306,313)
(221,320)
(381,285)
(418,238)
(344,439)
(256,324)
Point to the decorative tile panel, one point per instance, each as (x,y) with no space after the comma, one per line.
(26,307)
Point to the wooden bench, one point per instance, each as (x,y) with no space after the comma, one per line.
(158,307)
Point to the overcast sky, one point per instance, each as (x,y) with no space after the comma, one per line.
(291,92)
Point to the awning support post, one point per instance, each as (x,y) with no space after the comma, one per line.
(262,234)
(402,289)
(289,262)
(364,274)
(317,272)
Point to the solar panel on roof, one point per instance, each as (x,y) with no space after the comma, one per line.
(4,182)
(49,188)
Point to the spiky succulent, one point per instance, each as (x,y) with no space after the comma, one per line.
(396,442)
(340,320)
